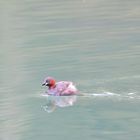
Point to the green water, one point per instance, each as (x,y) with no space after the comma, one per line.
(95,44)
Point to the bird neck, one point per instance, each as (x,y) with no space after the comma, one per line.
(52,86)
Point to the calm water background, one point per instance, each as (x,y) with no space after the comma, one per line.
(95,44)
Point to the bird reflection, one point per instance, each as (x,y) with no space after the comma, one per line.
(54,102)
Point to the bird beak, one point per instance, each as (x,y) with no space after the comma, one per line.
(43,84)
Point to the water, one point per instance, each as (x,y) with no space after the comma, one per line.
(95,44)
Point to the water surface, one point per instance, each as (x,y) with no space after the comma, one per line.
(95,44)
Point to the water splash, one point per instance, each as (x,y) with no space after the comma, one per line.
(54,102)
(123,96)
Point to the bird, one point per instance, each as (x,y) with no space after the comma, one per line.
(61,88)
